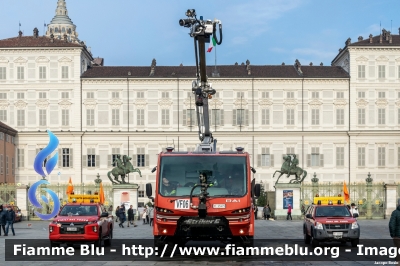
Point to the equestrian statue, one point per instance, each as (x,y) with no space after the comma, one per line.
(122,168)
(290,167)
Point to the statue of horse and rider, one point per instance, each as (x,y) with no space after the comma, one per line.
(289,168)
(122,168)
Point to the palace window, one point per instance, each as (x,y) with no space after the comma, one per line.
(361,71)
(140,117)
(339,156)
(90,117)
(265,116)
(361,156)
(65,117)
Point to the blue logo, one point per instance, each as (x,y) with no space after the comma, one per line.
(50,165)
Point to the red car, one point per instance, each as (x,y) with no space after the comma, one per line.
(323,223)
(82,222)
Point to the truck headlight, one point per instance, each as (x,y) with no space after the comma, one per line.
(50,229)
(354,225)
(318,226)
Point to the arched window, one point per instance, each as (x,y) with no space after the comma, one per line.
(56,29)
(63,29)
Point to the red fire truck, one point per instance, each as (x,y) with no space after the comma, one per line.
(204,194)
(82,219)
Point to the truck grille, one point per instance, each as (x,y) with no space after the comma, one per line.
(337,226)
(80,228)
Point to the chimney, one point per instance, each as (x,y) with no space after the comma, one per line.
(370,38)
(153,67)
(311,63)
(348,41)
(380,38)
(283,63)
(321,64)
(181,65)
(35,32)
(360,38)
(236,64)
(20,34)
(390,39)
(297,66)
(340,49)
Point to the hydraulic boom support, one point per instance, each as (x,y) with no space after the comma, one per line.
(201,31)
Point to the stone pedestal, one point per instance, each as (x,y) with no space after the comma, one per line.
(391,199)
(125,194)
(281,213)
(22,200)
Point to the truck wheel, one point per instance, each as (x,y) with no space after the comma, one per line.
(355,242)
(108,241)
(98,241)
(54,244)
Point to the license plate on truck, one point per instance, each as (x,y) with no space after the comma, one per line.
(182,204)
(72,229)
(337,235)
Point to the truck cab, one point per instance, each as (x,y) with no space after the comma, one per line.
(328,220)
(227,214)
(83,219)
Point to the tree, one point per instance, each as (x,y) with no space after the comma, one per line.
(262,200)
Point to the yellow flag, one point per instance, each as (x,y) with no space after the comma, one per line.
(70,187)
(102,198)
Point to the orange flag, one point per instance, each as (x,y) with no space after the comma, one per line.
(346,192)
(101,193)
(70,187)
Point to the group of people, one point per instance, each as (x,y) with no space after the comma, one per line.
(120,212)
(148,215)
(7,220)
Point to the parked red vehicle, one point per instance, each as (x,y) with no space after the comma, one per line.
(79,222)
(330,222)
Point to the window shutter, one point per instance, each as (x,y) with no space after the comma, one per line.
(134,160)
(184,120)
(308,160)
(110,160)
(222,116)
(259,160)
(59,157)
(234,117)
(97,163)
(146,160)
(272,160)
(321,160)
(85,160)
(71,158)
(246,119)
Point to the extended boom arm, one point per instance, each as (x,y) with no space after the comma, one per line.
(201,30)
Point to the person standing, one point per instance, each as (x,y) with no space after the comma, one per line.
(122,216)
(10,219)
(148,214)
(3,213)
(394,227)
(117,214)
(267,212)
(144,215)
(354,211)
(131,217)
(151,215)
(289,212)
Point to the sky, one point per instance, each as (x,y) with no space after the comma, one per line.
(266,32)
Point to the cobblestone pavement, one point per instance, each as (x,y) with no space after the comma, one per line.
(370,229)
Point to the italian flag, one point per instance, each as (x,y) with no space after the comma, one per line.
(212,44)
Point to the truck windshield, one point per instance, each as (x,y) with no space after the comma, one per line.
(227,174)
(80,210)
(332,211)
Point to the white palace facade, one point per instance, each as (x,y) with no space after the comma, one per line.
(342,121)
